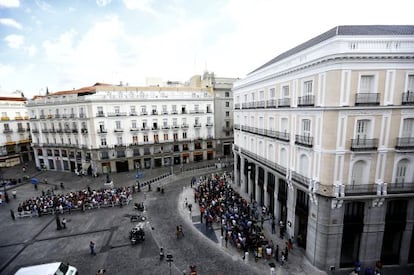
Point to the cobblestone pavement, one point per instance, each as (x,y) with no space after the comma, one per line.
(27,241)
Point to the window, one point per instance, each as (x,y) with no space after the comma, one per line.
(133,124)
(100,111)
(227,113)
(307,88)
(410,84)
(285,92)
(174,109)
(135,139)
(165,123)
(306,127)
(144,110)
(118,125)
(359,173)
(208,120)
(154,110)
(164,109)
(227,104)
(175,136)
(116,109)
(183,111)
(103,141)
(208,108)
(184,135)
(261,95)
(132,108)
(101,126)
(175,125)
(362,129)
(119,140)
(402,168)
(408,128)
(196,107)
(227,94)
(156,140)
(155,125)
(6,127)
(144,124)
(165,136)
(272,93)
(367,84)
(145,138)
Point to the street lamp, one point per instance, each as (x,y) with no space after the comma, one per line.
(170,260)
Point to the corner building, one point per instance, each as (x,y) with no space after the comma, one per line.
(113,128)
(324,137)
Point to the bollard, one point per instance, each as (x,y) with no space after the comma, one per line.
(246,257)
(272,271)
(222,241)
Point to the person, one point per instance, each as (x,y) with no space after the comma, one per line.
(64,223)
(58,224)
(12,214)
(177,231)
(101,272)
(92,248)
(277,253)
(161,254)
(181,230)
(273,226)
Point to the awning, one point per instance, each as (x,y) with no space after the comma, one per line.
(186,155)
(197,153)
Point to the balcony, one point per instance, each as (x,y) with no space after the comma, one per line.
(100,114)
(176,127)
(306,101)
(405,143)
(144,128)
(21,130)
(302,180)
(133,114)
(75,131)
(165,127)
(304,140)
(407,98)
(45,131)
(57,116)
(84,131)
(154,128)
(49,116)
(35,131)
(400,187)
(360,189)
(67,130)
(7,131)
(284,136)
(52,130)
(118,130)
(260,104)
(237,126)
(197,125)
(364,144)
(367,99)
(133,129)
(227,128)
(209,124)
(18,118)
(42,116)
(82,115)
(174,112)
(271,103)
(64,116)
(154,112)
(102,131)
(5,118)
(184,126)
(72,116)
(117,114)
(283,102)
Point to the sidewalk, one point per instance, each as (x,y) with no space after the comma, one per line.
(296,264)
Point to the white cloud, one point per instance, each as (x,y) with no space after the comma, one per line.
(11,23)
(103,3)
(10,3)
(44,6)
(14,41)
(144,5)
(6,70)
(30,50)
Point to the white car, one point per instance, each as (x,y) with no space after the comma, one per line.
(57,268)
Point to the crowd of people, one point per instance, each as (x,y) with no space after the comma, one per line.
(50,203)
(241,222)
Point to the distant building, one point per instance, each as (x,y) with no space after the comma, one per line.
(324,136)
(15,131)
(114,128)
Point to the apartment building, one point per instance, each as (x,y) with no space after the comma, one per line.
(324,136)
(114,128)
(15,131)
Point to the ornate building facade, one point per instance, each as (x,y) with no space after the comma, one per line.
(324,136)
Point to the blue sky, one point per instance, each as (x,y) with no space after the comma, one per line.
(65,44)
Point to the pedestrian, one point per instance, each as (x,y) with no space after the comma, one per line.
(286,253)
(64,223)
(101,272)
(277,253)
(181,230)
(282,259)
(273,226)
(58,224)
(92,248)
(12,214)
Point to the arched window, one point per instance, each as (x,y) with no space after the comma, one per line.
(360,172)
(271,153)
(283,157)
(304,165)
(404,173)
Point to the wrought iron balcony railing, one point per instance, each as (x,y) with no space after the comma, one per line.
(283,102)
(407,98)
(404,143)
(367,99)
(304,140)
(307,100)
(364,144)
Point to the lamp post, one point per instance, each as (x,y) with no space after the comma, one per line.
(170,260)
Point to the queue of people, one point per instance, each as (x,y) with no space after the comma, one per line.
(241,221)
(50,203)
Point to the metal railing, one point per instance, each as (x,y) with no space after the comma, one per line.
(367,99)
(404,143)
(364,144)
(304,140)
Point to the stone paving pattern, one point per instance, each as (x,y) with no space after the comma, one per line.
(34,240)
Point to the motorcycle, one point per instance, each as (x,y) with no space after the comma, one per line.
(139,206)
(137,234)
